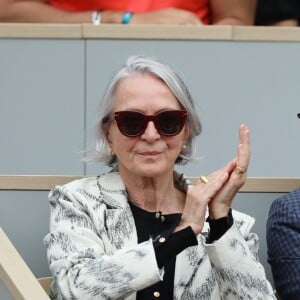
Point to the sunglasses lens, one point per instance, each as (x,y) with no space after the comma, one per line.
(167,123)
(131,123)
(170,122)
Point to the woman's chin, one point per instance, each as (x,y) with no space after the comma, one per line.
(150,170)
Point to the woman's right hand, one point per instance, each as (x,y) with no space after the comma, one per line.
(220,190)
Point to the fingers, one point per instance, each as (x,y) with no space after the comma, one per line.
(238,166)
(208,186)
(243,158)
(237,169)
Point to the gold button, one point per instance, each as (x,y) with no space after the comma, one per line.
(157,215)
(162,218)
(156,294)
(162,240)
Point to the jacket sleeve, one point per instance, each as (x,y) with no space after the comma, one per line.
(78,260)
(234,257)
(283,240)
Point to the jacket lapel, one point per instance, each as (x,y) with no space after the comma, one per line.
(119,222)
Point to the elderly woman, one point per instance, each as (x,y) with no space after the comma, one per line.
(142,231)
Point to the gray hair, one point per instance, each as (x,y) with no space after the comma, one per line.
(145,65)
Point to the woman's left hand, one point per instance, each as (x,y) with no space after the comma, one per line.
(237,169)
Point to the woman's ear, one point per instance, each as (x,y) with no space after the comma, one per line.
(186,135)
(106,130)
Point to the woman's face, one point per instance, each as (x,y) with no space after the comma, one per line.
(150,154)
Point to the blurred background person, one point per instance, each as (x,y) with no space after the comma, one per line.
(277,12)
(283,240)
(233,12)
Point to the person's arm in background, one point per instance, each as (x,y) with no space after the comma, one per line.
(233,12)
(38,11)
(230,12)
(283,240)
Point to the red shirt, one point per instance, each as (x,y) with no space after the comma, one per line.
(199,7)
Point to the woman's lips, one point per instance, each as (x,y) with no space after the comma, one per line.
(150,153)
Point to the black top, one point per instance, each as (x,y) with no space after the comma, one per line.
(168,244)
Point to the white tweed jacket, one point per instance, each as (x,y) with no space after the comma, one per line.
(93,251)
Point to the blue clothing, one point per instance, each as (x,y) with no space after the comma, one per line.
(283,239)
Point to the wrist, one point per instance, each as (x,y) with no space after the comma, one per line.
(180,227)
(183,225)
(219,212)
(218,227)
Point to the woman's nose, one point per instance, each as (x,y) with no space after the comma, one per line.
(150,132)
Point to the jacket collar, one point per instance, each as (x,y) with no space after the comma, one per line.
(113,188)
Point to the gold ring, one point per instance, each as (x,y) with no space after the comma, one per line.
(240,170)
(203,179)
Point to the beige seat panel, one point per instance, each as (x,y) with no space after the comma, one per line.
(16,275)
